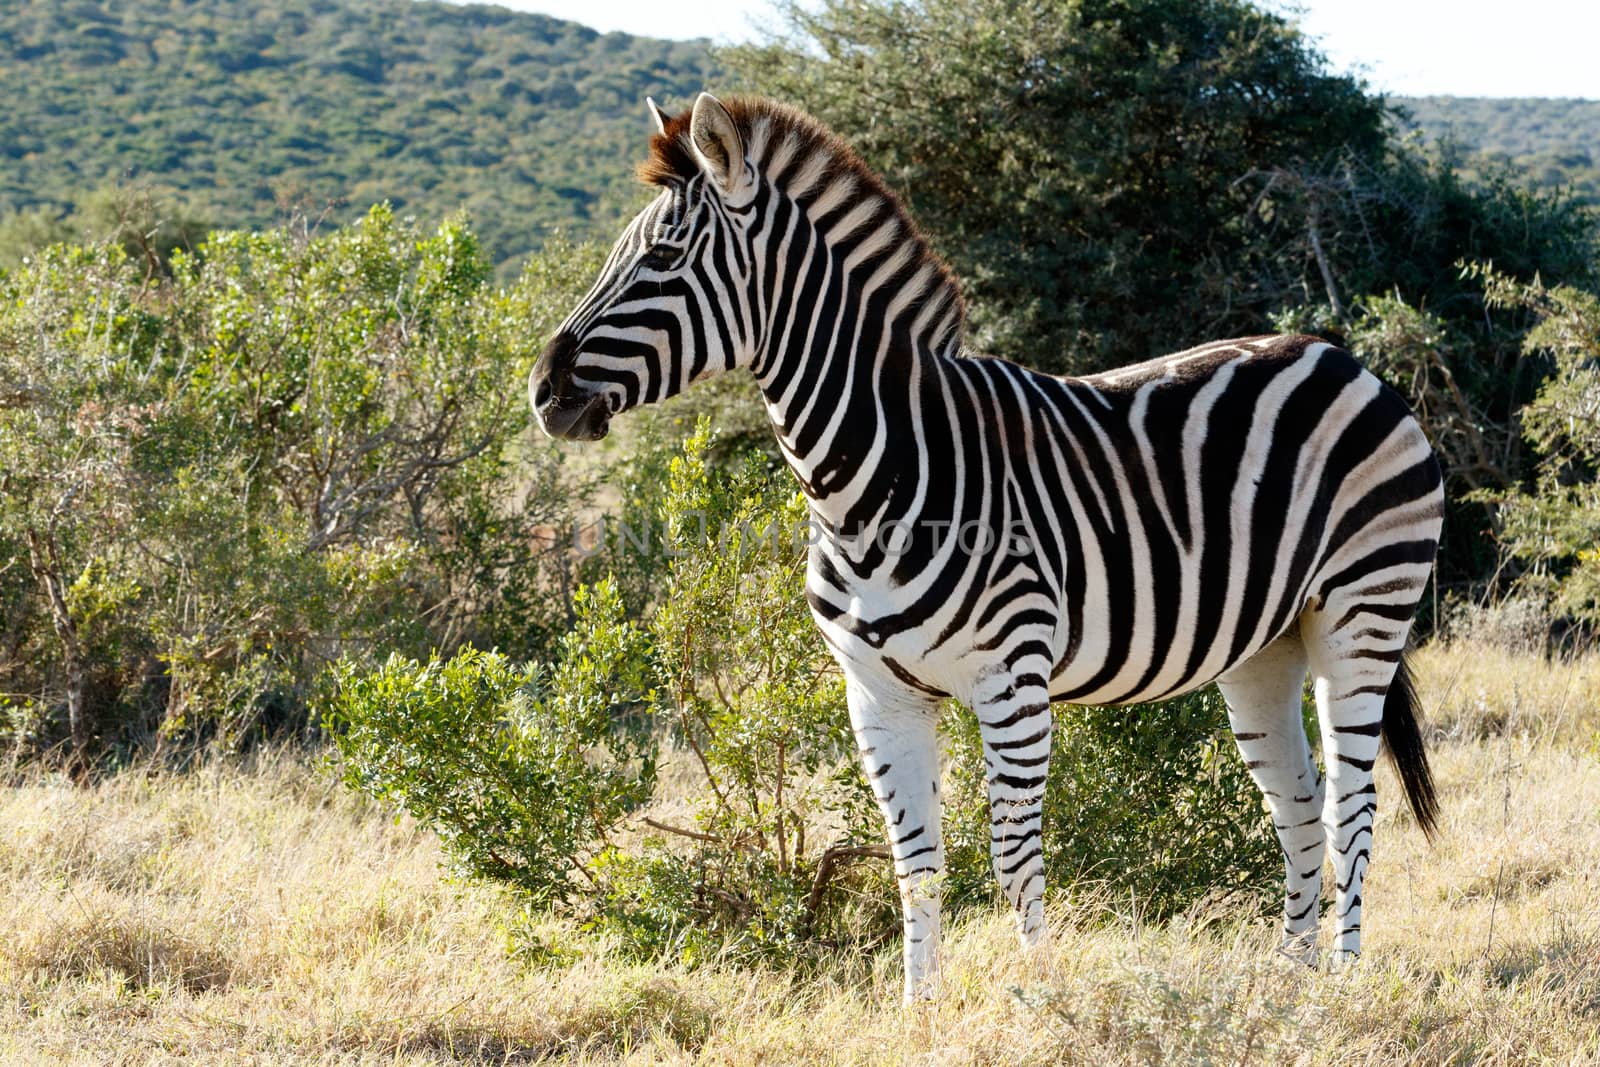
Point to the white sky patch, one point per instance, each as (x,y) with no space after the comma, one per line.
(1402,47)
(1462,48)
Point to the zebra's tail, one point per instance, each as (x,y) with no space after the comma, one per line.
(1402,736)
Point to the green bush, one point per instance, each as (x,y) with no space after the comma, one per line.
(1549,524)
(526,772)
(300,449)
(1147,803)
(523,772)
(756,707)
(294,448)
(1122,144)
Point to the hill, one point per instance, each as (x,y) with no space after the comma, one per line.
(1549,142)
(529,122)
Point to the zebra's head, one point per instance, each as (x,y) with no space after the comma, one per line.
(672,303)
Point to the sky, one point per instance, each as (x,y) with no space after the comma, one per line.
(1402,47)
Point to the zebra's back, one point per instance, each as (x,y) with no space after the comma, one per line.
(1211,495)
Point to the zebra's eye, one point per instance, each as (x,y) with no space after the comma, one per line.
(661,257)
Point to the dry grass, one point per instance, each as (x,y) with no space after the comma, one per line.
(265,916)
(1474,691)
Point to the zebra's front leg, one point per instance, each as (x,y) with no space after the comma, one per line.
(1014,719)
(896,732)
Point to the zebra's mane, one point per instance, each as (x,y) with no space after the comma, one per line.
(804,157)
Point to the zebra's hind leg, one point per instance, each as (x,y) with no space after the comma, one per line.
(896,733)
(1264,701)
(1355,645)
(1014,718)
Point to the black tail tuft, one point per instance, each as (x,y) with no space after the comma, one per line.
(1402,736)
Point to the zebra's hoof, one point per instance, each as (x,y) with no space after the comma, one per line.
(1033,936)
(1342,959)
(1297,951)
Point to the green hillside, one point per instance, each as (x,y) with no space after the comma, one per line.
(1550,142)
(529,122)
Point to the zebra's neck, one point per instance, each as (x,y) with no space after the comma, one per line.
(860,335)
(859,319)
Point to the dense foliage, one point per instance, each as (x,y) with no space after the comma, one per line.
(1550,524)
(1424,324)
(530,123)
(724,671)
(1122,146)
(522,771)
(296,447)
(1156,173)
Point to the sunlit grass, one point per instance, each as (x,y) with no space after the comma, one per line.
(263,914)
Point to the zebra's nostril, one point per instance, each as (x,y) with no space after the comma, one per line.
(541,396)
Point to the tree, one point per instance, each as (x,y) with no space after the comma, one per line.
(78,389)
(1085,164)
(1548,529)
(1117,179)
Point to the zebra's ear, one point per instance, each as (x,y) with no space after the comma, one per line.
(718,144)
(660,117)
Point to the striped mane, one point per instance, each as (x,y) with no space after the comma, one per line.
(807,160)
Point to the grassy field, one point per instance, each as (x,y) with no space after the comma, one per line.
(264,915)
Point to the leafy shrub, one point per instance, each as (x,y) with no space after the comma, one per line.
(526,772)
(523,772)
(81,369)
(1549,527)
(757,706)
(1151,800)
(297,447)
(1423,323)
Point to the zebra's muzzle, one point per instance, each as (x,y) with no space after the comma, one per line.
(582,418)
(564,411)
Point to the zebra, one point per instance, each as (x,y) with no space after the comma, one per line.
(1244,512)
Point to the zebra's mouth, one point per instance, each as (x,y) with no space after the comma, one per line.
(579,418)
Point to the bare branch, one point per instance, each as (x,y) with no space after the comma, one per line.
(681,831)
(828,864)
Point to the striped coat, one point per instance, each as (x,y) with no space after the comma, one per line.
(1245,513)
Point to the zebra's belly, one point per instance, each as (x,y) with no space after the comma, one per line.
(1077,684)
(1150,659)
(1153,649)
(1124,642)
